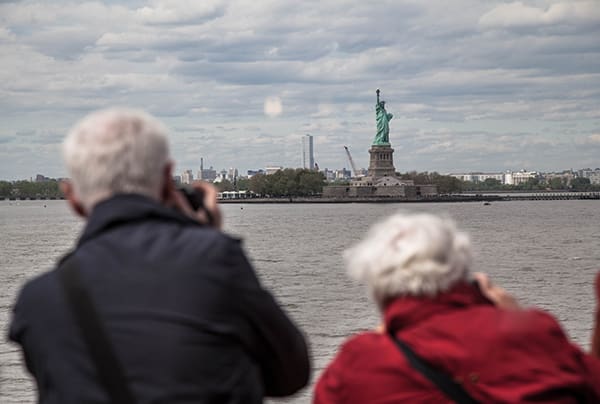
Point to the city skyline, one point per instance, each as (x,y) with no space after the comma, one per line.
(473,85)
(194,172)
(307,161)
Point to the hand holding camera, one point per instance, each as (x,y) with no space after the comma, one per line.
(199,201)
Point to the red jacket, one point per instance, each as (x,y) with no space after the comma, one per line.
(499,356)
(596,333)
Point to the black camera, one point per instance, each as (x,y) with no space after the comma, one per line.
(195,197)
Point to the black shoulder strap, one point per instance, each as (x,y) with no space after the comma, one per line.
(109,369)
(449,387)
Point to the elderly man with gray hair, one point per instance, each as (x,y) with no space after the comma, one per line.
(448,335)
(155,304)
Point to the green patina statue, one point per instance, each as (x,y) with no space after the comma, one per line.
(383,124)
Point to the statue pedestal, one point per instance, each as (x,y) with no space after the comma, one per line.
(381,163)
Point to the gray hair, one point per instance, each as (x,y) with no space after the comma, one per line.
(116,151)
(410,254)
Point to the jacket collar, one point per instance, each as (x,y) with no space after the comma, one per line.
(409,310)
(124,208)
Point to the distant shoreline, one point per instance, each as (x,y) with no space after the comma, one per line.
(490,196)
(433,199)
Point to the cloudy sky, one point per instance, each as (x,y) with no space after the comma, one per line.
(473,85)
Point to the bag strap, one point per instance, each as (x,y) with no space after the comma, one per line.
(109,369)
(442,381)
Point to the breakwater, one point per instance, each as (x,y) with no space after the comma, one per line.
(548,196)
(491,197)
(562,196)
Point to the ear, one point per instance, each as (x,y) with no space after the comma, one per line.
(67,189)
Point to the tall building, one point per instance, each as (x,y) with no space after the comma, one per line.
(252,173)
(205,174)
(232,174)
(272,169)
(200,174)
(187,177)
(308,156)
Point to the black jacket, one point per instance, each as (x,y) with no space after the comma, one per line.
(182,306)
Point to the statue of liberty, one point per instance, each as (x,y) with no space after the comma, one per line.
(382,138)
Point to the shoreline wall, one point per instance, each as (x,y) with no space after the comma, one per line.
(545,196)
(430,199)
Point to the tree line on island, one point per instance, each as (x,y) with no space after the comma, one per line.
(283,183)
(298,182)
(302,182)
(23,189)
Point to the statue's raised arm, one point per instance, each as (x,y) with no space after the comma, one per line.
(383,123)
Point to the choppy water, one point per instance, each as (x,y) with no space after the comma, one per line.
(544,252)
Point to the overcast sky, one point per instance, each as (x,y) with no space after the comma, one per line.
(473,85)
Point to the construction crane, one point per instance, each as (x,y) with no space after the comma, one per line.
(351,161)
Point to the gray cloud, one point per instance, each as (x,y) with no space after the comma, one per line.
(476,86)
(6,139)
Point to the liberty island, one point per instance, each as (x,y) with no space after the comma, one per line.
(381,182)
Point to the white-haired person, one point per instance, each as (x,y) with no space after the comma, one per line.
(448,335)
(154,304)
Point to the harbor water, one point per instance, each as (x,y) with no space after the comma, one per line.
(544,252)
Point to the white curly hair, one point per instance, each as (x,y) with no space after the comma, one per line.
(116,151)
(410,254)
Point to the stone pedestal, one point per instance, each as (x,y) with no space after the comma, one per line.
(381,163)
